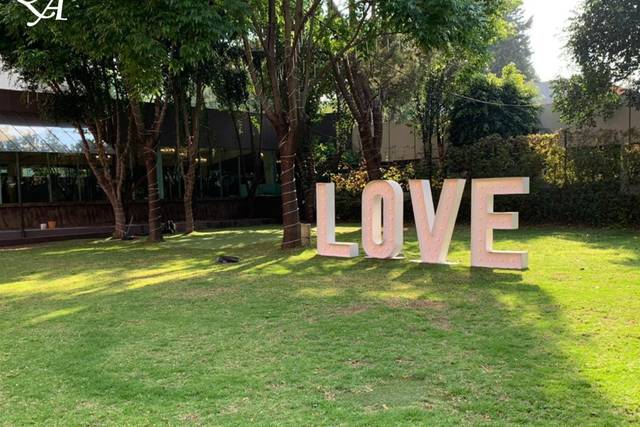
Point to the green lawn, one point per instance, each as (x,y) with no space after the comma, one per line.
(95,332)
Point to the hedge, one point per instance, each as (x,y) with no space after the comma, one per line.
(577,178)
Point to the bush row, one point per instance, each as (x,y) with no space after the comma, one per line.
(580,178)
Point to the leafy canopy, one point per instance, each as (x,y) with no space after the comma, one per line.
(462,24)
(605,43)
(516,47)
(145,40)
(494,105)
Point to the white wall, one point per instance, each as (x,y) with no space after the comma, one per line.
(7,81)
(620,121)
(399,142)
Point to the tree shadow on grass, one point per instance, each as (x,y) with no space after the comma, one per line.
(296,335)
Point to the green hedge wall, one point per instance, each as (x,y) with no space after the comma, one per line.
(581,178)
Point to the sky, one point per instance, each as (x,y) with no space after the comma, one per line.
(550,18)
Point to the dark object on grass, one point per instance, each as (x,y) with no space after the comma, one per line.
(228,259)
(169,227)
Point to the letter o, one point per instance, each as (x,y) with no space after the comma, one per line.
(382,219)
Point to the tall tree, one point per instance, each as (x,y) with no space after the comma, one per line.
(363,74)
(605,43)
(434,101)
(218,71)
(152,42)
(187,122)
(515,48)
(494,105)
(444,73)
(87,93)
(283,76)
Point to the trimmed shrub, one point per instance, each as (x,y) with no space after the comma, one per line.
(580,177)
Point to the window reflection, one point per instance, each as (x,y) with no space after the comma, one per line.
(48,165)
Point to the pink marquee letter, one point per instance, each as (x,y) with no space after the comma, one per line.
(382,241)
(484,220)
(326,218)
(435,229)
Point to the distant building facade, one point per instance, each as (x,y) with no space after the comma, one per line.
(402,142)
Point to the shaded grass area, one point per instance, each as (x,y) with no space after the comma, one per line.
(95,332)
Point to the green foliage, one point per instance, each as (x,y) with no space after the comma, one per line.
(580,101)
(146,41)
(605,43)
(494,105)
(494,156)
(443,74)
(516,47)
(575,178)
(461,24)
(350,181)
(605,40)
(353,180)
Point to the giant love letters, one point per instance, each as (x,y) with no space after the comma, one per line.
(382,221)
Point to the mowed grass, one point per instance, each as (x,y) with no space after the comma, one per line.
(127,333)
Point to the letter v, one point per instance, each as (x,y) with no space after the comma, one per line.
(435,230)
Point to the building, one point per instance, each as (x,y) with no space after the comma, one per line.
(624,119)
(402,142)
(44,176)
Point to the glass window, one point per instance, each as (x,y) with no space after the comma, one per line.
(230,172)
(40,139)
(172,173)
(35,183)
(4,175)
(66,177)
(208,176)
(8,178)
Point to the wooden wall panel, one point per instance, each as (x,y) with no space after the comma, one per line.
(99,213)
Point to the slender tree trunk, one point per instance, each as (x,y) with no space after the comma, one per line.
(190,122)
(189,185)
(372,158)
(290,211)
(149,137)
(378,129)
(427,143)
(101,168)
(120,220)
(236,131)
(188,215)
(256,150)
(307,169)
(155,213)
(365,109)
(442,151)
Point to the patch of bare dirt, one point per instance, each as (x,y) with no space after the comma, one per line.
(352,309)
(357,363)
(441,323)
(419,304)
(190,418)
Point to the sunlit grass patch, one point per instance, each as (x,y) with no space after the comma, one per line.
(106,332)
